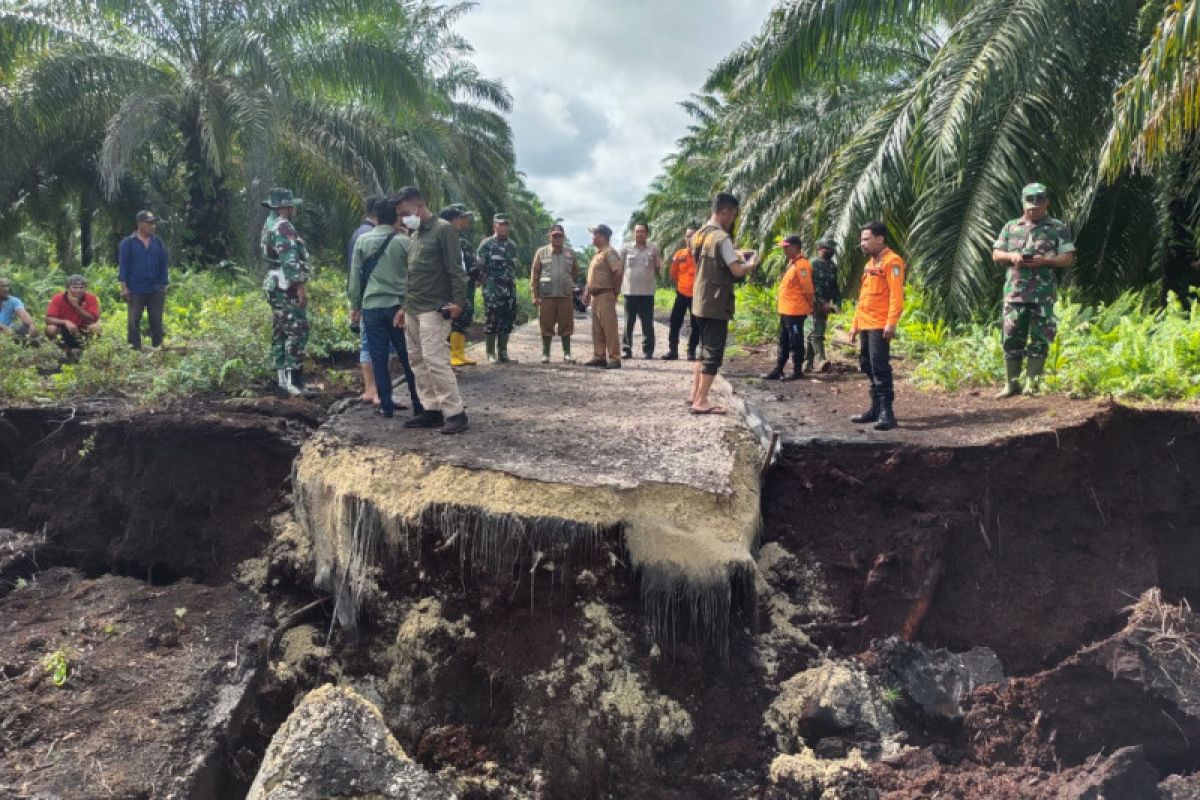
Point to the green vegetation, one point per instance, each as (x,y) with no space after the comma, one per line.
(218,336)
(58,666)
(1130,348)
(932,115)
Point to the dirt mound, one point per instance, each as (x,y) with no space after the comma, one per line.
(161,496)
(1138,687)
(114,688)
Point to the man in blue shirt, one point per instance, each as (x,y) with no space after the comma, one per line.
(142,259)
(14,319)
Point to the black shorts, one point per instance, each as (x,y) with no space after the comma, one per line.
(713,333)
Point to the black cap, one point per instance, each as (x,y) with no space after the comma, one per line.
(406,193)
(450,213)
(601,229)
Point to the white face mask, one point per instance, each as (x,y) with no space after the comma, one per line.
(412,222)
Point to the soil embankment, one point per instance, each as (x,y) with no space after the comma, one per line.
(502,627)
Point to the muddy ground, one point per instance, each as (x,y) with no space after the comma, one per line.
(1026,529)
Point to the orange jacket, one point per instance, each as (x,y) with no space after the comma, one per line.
(683,271)
(881,297)
(796,289)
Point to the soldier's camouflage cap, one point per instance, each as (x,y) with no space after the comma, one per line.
(462,209)
(281,198)
(501,219)
(454,211)
(827,243)
(1033,190)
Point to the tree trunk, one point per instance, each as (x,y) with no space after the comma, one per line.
(207,234)
(87,208)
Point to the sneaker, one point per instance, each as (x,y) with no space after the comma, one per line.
(455,424)
(773,375)
(386,414)
(626,352)
(426,419)
(568,360)
(545,359)
(671,356)
(613,364)
(596,362)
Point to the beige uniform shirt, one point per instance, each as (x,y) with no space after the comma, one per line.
(642,265)
(602,272)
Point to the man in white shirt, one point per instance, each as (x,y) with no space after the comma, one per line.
(643,263)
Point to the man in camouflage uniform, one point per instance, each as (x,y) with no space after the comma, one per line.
(827,300)
(1032,247)
(461,217)
(498,264)
(286,260)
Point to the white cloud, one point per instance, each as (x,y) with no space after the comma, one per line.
(597,89)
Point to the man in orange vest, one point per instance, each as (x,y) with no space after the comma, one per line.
(795,304)
(880,304)
(683,275)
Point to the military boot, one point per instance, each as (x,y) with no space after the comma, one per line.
(502,350)
(1012,366)
(489,342)
(871,415)
(298,382)
(810,354)
(823,364)
(286,387)
(1037,365)
(887,417)
(566,348)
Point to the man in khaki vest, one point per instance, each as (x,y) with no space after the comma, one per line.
(603,283)
(718,265)
(552,284)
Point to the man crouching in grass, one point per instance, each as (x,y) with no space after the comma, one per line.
(73,315)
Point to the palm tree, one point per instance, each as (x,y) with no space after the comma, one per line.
(338,98)
(932,115)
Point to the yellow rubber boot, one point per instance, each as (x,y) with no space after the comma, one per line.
(458,351)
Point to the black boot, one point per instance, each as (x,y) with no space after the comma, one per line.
(887,417)
(797,369)
(873,414)
(298,382)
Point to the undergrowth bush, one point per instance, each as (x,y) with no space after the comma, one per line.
(218,328)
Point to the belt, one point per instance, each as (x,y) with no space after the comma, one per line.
(602,291)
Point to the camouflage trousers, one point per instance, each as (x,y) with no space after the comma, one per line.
(1029,328)
(289,330)
(463,322)
(500,306)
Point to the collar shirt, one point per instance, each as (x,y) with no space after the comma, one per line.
(641,268)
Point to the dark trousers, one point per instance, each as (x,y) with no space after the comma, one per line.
(875,361)
(681,309)
(639,307)
(152,304)
(380,333)
(791,342)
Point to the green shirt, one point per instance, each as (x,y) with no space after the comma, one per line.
(388,282)
(1047,237)
(435,268)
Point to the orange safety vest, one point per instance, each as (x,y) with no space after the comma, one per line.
(683,271)
(881,296)
(796,289)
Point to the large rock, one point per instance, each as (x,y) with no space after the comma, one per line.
(937,680)
(336,744)
(833,698)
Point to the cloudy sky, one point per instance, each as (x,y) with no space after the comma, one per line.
(596,89)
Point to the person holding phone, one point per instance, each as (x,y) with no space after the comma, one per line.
(1032,248)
